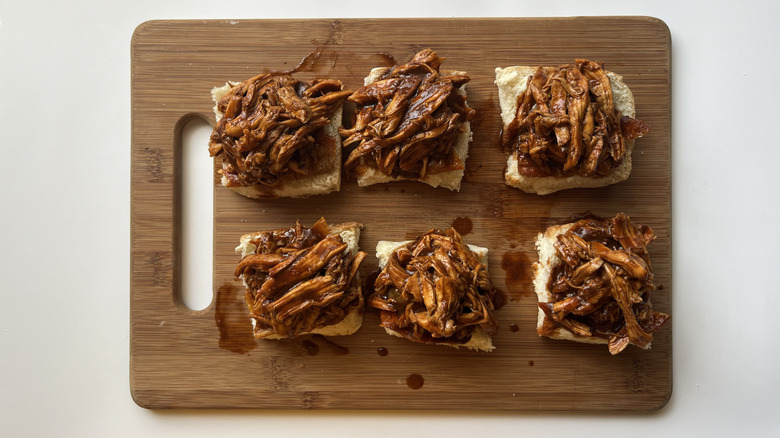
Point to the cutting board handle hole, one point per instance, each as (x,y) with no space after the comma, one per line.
(196,215)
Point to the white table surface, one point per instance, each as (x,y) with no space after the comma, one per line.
(64,252)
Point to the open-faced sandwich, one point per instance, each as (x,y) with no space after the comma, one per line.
(566,127)
(436,290)
(303,280)
(278,137)
(593,281)
(412,122)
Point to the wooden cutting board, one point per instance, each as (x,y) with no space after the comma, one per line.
(182,358)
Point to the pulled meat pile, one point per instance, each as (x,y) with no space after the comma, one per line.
(603,286)
(299,279)
(435,290)
(408,121)
(271,128)
(567,123)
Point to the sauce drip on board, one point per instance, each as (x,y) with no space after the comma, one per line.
(415,381)
(515,265)
(312,349)
(463,225)
(235,327)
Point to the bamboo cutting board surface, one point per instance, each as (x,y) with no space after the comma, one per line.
(181,358)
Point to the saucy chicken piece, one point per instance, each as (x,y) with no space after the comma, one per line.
(567,124)
(407,122)
(299,279)
(602,287)
(435,289)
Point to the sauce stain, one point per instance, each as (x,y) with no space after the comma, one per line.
(514,327)
(415,381)
(463,225)
(514,264)
(499,299)
(485,112)
(584,215)
(338,349)
(307,64)
(232,319)
(315,61)
(312,349)
(382,351)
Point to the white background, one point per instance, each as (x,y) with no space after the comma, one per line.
(64,252)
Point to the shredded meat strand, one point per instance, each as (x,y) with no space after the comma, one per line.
(407,122)
(567,124)
(271,129)
(603,286)
(435,289)
(299,279)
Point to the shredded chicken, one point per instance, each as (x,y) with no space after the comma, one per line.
(602,287)
(272,128)
(435,289)
(567,124)
(299,279)
(407,122)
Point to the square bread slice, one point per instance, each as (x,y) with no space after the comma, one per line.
(480,338)
(323,177)
(325,308)
(602,288)
(513,82)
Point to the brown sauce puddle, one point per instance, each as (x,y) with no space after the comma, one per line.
(515,265)
(368,286)
(230,315)
(312,349)
(499,299)
(463,225)
(415,381)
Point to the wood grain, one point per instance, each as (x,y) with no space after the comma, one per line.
(181,358)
